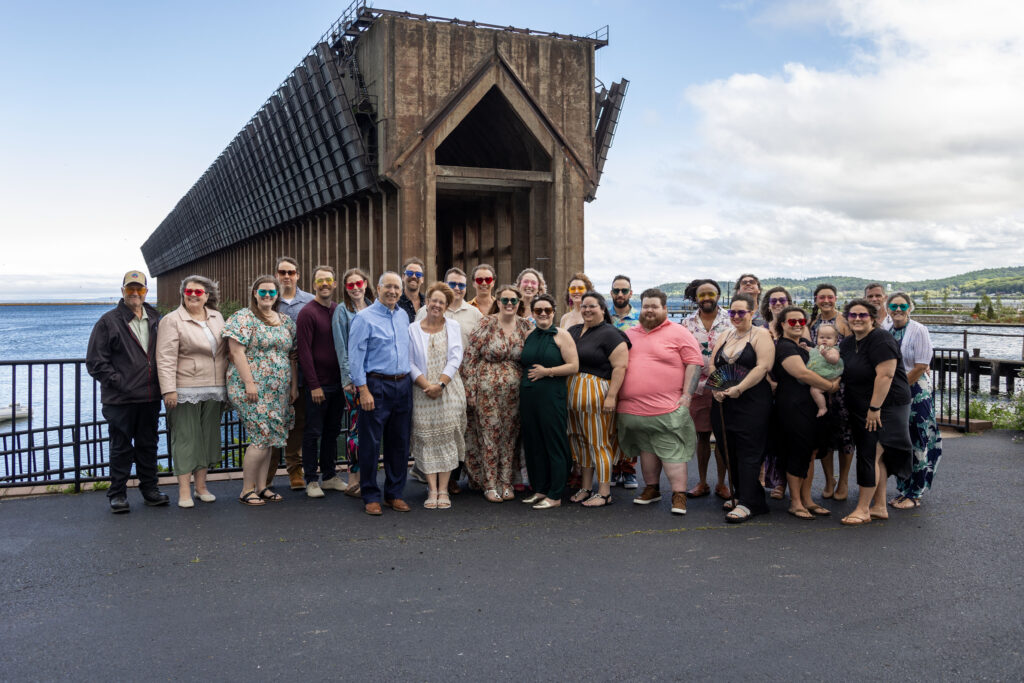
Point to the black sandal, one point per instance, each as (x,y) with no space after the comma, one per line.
(589,492)
(252,499)
(607,500)
(269,495)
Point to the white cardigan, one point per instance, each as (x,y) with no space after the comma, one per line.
(418,340)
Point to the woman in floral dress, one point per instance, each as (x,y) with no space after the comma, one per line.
(261,382)
(492,376)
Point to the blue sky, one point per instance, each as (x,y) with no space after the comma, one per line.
(879,138)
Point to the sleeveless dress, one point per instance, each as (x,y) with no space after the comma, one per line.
(740,426)
(795,411)
(543,410)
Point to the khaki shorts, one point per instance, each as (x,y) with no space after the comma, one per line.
(671,436)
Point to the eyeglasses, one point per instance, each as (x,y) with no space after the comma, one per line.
(748,281)
(706,295)
(456,285)
(858,316)
(413,273)
(323,281)
(780,301)
(508,301)
(200,292)
(618,291)
(483,280)
(545,310)
(737,314)
(272,293)
(141,291)
(793,323)
(358,284)
(282,271)
(898,307)
(577,290)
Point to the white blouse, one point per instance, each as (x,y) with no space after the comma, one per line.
(418,340)
(916,346)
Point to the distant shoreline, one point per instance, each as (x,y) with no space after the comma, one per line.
(58,303)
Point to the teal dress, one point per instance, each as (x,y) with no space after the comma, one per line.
(543,414)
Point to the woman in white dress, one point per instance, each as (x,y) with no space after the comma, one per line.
(439,407)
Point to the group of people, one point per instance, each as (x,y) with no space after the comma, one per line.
(493,390)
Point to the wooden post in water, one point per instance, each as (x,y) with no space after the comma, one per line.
(993,388)
(975,372)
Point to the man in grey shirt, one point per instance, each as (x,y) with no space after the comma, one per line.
(292,300)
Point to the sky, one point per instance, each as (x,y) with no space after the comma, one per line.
(873,138)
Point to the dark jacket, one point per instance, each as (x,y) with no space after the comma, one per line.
(126,372)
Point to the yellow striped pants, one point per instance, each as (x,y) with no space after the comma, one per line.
(592,436)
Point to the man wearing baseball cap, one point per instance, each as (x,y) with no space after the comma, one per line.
(122,358)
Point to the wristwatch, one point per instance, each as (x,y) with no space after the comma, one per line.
(443,385)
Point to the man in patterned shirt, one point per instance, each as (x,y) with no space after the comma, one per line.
(623,317)
(706,323)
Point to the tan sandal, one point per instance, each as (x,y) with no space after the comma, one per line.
(443,501)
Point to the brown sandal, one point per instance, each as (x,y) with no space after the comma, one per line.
(251,499)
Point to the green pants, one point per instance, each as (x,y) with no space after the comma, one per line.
(195,436)
(543,414)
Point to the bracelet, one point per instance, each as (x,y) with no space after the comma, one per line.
(874,409)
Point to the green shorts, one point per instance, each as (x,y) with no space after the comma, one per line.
(671,436)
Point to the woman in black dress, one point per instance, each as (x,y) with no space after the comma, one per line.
(795,410)
(878,400)
(740,418)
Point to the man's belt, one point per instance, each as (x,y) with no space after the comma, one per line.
(390,378)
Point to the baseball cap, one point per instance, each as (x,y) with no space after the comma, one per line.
(134,277)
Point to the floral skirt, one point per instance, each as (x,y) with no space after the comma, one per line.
(926,438)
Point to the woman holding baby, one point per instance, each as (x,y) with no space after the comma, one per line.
(796,410)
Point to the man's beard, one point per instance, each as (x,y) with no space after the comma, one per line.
(708,305)
(650,322)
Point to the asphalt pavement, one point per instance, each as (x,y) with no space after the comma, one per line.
(317,590)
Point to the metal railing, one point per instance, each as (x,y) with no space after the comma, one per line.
(950,388)
(63,438)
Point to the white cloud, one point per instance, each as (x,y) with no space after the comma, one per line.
(906,162)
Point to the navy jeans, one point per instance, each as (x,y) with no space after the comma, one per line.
(133,438)
(389,422)
(320,438)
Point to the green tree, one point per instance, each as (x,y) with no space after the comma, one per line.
(990,313)
(977,308)
(945,297)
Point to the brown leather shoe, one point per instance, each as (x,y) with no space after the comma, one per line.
(397,504)
(373,509)
(297,481)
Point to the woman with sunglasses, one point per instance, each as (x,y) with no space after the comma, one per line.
(191,360)
(262,382)
(916,347)
(356,295)
(837,436)
(531,283)
(578,285)
(549,356)
(742,413)
(795,409)
(775,299)
(492,375)
(603,352)
(878,398)
(483,283)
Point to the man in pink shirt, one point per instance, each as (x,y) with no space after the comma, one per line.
(654,420)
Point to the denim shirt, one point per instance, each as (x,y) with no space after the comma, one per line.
(378,341)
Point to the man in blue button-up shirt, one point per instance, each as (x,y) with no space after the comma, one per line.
(378,355)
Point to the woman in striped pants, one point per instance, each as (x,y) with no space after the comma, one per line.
(603,355)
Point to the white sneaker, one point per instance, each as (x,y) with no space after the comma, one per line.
(333,484)
(313,490)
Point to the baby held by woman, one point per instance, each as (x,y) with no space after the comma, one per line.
(825,361)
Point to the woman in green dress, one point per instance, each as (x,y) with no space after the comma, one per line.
(549,356)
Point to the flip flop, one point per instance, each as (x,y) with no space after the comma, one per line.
(850,520)
(699,491)
(904,503)
(818,510)
(722,492)
(802,514)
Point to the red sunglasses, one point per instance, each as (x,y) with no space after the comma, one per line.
(793,323)
(194,292)
(484,280)
(358,284)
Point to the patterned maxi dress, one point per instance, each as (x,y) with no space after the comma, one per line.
(268,420)
(492,375)
(924,434)
(438,424)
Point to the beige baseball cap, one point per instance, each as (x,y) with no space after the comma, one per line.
(134,277)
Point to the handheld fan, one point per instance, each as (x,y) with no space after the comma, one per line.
(726,377)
